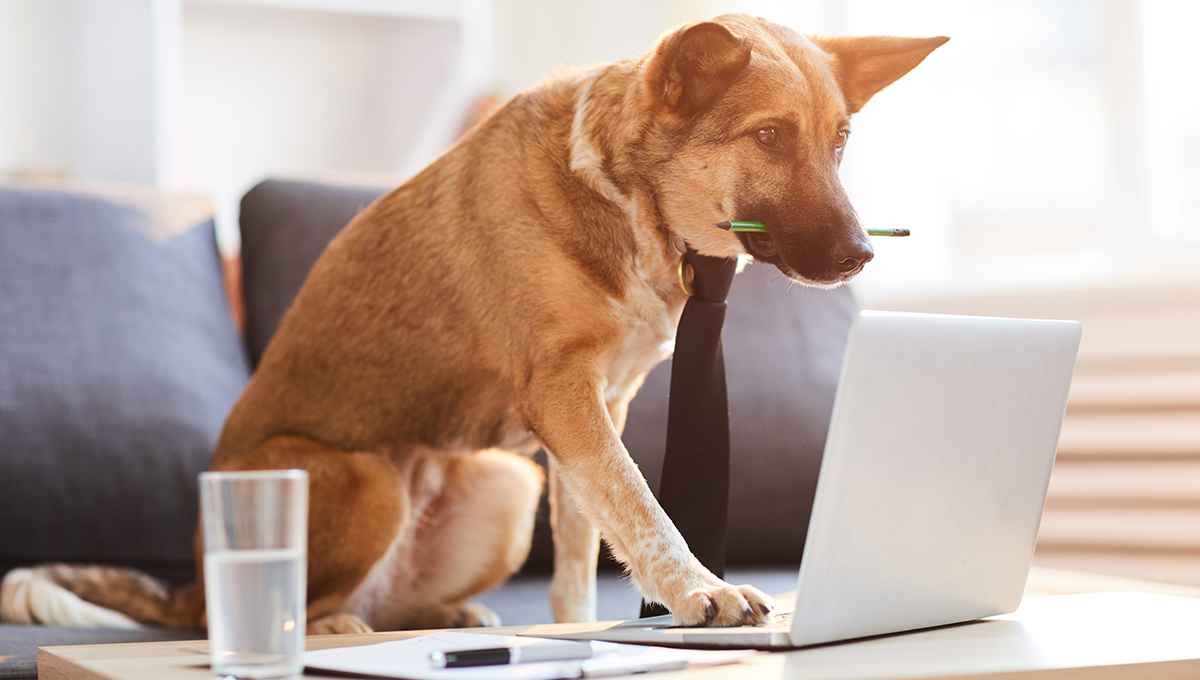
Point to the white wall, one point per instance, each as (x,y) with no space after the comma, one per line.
(78,86)
(289,92)
(116,88)
(1049,142)
(535,37)
(212,96)
(34,89)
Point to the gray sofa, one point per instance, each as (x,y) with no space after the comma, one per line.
(119,362)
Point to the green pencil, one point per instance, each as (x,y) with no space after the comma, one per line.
(888,232)
(738,225)
(742,226)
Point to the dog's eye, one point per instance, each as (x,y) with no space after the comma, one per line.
(768,136)
(842,136)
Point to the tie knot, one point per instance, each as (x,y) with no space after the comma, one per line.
(712,275)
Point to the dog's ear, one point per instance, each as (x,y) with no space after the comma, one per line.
(695,65)
(866,65)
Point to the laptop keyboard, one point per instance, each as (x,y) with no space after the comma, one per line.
(783,620)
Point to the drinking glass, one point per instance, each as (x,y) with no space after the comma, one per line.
(255,543)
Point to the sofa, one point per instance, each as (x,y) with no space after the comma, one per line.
(120,358)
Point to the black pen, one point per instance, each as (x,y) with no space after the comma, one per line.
(499,656)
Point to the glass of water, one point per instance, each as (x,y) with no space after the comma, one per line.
(255,540)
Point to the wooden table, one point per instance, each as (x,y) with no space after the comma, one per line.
(1100,636)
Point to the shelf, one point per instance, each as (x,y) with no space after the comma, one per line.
(212,96)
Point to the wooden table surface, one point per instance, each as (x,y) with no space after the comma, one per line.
(1062,637)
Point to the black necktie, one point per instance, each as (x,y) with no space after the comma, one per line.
(694,490)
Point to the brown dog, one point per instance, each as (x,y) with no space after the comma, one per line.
(514,295)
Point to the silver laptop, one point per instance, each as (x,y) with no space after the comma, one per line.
(931,487)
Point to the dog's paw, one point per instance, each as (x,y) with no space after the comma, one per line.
(474,615)
(724,605)
(762,605)
(460,615)
(335,624)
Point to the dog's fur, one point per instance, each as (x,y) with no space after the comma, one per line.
(514,295)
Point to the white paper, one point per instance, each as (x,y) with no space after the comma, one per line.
(409,659)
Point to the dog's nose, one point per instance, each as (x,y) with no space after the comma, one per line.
(854,255)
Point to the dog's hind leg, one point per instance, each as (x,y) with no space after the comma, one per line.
(359,502)
(473,535)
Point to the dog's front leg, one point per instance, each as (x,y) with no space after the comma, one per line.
(576,549)
(576,542)
(570,418)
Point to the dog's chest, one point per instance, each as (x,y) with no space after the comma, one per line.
(649,325)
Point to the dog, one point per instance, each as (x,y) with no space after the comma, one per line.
(514,295)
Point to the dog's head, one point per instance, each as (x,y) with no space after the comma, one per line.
(751,121)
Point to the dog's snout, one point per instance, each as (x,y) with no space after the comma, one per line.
(855,255)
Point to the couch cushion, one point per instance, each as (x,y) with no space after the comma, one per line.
(118,366)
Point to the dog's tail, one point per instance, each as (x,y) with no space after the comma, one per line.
(95,597)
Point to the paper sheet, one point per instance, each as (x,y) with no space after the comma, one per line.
(409,659)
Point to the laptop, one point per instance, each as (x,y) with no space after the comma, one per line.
(931,488)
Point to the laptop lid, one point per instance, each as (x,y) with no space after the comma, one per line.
(935,472)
